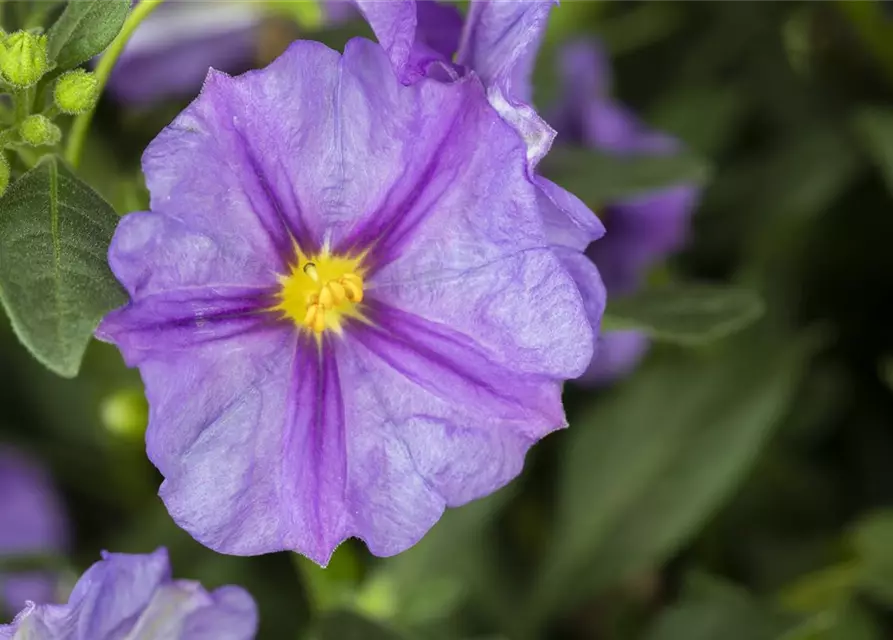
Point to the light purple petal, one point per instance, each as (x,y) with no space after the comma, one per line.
(588,279)
(416,34)
(233,615)
(32,521)
(499,44)
(501,40)
(617,354)
(433,422)
(568,221)
(133,597)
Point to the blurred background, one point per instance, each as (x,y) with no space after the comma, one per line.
(737,488)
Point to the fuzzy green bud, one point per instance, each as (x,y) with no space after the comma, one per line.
(76,92)
(125,413)
(4,173)
(23,58)
(38,130)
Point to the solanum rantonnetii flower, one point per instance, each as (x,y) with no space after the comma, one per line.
(641,231)
(134,596)
(32,522)
(344,305)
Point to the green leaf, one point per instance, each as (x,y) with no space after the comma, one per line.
(84,30)
(873,543)
(643,471)
(55,282)
(685,313)
(350,626)
(599,178)
(711,609)
(875,128)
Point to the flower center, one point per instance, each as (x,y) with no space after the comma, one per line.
(320,291)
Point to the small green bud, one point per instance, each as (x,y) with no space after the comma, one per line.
(4,173)
(125,413)
(23,58)
(76,92)
(38,130)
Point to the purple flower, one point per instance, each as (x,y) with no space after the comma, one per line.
(32,522)
(344,305)
(641,231)
(134,596)
(171,51)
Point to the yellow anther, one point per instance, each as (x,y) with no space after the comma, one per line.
(326,299)
(337,291)
(315,318)
(353,287)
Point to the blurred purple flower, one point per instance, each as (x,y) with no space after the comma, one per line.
(32,522)
(134,596)
(173,49)
(641,231)
(343,305)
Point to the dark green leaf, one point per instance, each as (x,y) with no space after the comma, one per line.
(643,471)
(350,626)
(875,127)
(55,282)
(711,609)
(599,178)
(84,30)
(685,313)
(706,118)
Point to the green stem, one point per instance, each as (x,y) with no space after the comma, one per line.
(81,125)
(23,101)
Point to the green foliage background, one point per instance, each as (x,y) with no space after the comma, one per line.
(738,486)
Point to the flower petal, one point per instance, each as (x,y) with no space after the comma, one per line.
(568,221)
(414,33)
(500,43)
(433,422)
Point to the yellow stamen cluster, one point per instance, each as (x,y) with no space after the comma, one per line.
(348,287)
(321,290)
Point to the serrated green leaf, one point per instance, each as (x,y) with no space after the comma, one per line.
(84,30)
(55,282)
(344,625)
(598,178)
(685,313)
(644,470)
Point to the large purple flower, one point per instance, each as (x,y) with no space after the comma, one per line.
(344,305)
(641,231)
(32,522)
(134,596)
